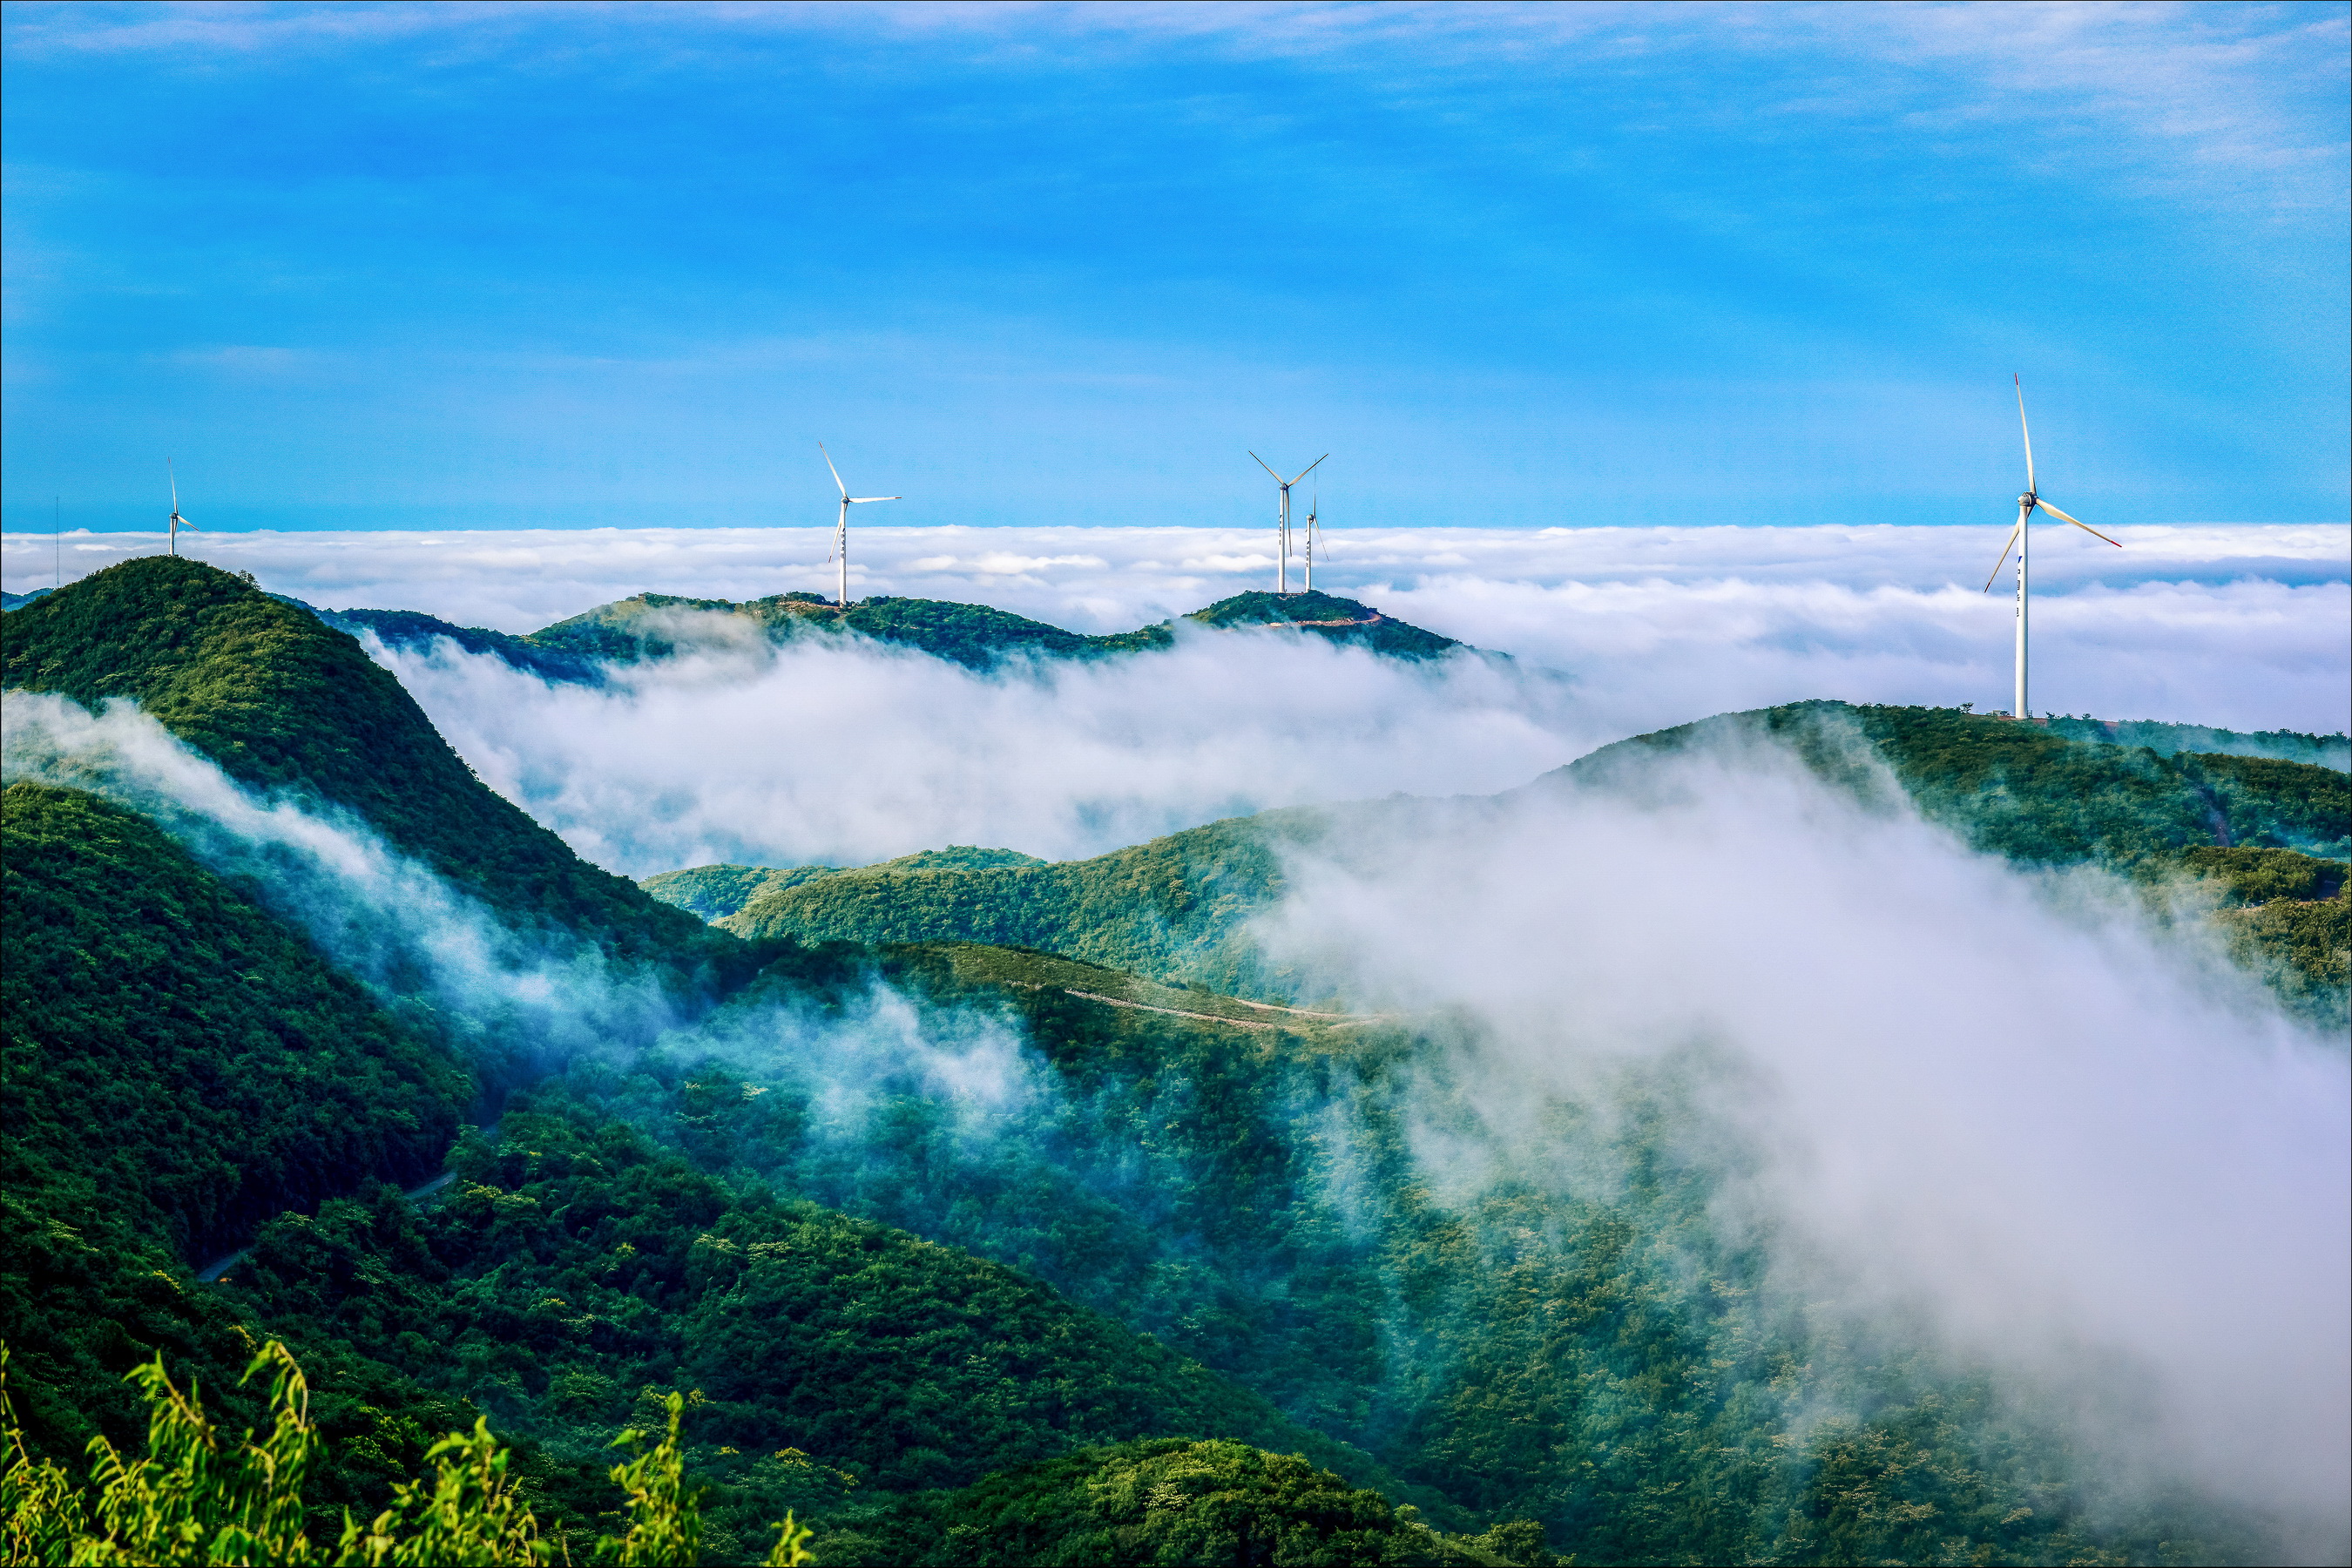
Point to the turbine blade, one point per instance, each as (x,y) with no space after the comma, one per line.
(175,484)
(1260,463)
(836,472)
(2077,521)
(1310,468)
(861,501)
(2004,555)
(2024,432)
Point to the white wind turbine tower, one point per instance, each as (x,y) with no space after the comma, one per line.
(1313,528)
(1282,525)
(178,523)
(2026,505)
(841,530)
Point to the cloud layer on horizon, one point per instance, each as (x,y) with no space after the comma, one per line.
(2233,624)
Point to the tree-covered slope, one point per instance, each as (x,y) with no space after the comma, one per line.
(574,1265)
(1171,908)
(177,1060)
(2029,791)
(1175,908)
(283,702)
(178,1066)
(1249,1188)
(413,629)
(1167,1500)
(714,893)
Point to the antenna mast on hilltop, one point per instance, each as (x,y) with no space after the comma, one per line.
(1282,520)
(178,523)
(2026,505)
(841,530)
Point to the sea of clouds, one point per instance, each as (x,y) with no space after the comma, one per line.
(2237,625)
(845,755)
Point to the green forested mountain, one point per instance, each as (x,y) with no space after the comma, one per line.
(411,629)
(2030,791)
(973,635)
(1174,908)
(646,625)
(284,704)
(970,1211)
(714,893)
(1171,909)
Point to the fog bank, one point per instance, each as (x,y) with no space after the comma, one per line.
(2073,1137)
(2234,625)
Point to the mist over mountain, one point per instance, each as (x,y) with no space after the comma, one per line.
(1824,1133)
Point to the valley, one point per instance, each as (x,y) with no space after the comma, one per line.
(981,1207)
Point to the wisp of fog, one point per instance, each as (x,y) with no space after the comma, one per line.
(375,912)
(2048,1117)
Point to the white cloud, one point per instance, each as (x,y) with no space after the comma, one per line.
(2233,624)
(822,754)
(2076,1141)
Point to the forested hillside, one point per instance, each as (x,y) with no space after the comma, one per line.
(179,1067)
(1177,906)
(1172,908)
(582,647)
(981,1210)
(284,704)
(648,625)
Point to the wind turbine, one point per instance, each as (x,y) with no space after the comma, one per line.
(2026,505)
(178,523)
(1282,527)
(841,530)
(1313,528)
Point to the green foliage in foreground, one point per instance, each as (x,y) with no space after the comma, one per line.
(199,1496)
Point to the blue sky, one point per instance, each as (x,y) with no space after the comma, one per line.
(448,266)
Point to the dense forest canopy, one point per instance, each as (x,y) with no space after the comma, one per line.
(976,1209)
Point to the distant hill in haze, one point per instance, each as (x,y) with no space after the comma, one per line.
(978,637)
